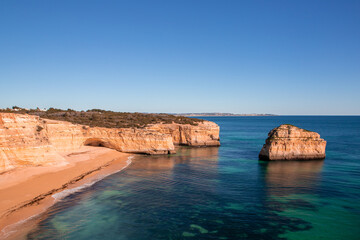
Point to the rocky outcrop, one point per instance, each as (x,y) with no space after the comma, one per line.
(204,134)
(23,142)
(65,136)
(288,142)
(29,140)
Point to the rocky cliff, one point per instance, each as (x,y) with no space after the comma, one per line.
(204,134)
(30,140)
(288,142)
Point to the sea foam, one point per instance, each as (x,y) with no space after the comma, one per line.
(67,192)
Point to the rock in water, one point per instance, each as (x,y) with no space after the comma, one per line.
(288,142)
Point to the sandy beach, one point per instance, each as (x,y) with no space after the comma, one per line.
(27,192)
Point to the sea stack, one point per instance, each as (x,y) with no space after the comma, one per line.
(288,142)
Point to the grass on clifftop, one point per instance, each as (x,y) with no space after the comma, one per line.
(108,119)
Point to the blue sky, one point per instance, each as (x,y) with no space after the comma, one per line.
(282,57)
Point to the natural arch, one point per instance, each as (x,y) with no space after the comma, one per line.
(97,142)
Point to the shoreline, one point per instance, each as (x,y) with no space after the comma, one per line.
(28,192)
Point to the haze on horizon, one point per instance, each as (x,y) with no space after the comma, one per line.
(278,57)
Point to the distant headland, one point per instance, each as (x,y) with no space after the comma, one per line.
(215,114)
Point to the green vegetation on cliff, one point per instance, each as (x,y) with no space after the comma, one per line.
(102,118)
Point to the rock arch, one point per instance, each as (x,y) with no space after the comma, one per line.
(97,142)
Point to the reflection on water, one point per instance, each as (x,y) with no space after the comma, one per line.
(290,185)
(291,177)
(156,164)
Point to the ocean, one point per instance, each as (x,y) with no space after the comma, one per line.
(224,192)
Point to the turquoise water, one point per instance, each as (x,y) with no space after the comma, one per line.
(224,193)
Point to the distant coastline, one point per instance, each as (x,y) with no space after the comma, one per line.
(222,114)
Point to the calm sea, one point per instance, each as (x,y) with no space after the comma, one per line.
(225,192)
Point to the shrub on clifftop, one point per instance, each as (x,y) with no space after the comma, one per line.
(108,119)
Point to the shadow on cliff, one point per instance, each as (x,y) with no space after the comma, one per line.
(97,142)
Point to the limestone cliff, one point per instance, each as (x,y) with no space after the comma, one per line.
(288,142)
(30,140)
(204,134)
(23,142)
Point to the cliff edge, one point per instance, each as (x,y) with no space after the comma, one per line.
(206,133)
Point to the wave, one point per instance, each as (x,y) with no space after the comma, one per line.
(10,229)
(67,192)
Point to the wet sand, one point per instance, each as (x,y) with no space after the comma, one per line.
(27,192)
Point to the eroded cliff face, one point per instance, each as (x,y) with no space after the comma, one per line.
(27,140)
(288,142)
(65,136)
(23,142)
(204,134)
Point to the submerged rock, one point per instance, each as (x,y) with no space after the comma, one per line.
(188,234)
(288,142)
(201,229)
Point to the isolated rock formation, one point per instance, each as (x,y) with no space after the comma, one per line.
(27,140)
(288,142)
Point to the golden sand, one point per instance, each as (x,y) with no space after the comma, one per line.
(29,191)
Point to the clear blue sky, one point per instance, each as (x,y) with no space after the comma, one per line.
(282,57)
